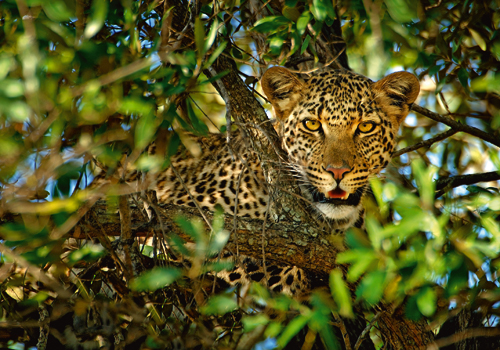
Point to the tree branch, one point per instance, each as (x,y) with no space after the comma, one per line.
(246,109)
(445,184)
(458,126)
(426,143)
(287,243)
(465,334)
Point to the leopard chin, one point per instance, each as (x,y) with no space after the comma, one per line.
(344,211)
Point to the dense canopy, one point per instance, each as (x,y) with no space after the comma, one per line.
(96,81)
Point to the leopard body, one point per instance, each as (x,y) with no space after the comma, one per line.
(339,130)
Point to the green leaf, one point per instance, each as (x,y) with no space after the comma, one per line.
(411,309)
(199,37)
(88,253)
(219,305)
(463,77)
(402,11)
(252,322)
(275,44)
(340,293)
(11,88)
(372,287)
(216,53)
(199,127)
(17,111)
(191,228)
(305,44)
(217,242)
(145,129)
(488,83)
(329,338)
(302,22)
(424,178)
(478,39)
(99,11)
(155,279)
(57,10)
(323,8)
(6,64)
(271,24)
(212,34)
(291,13)
(273,329)
(236,53)
(426,301)
(292,329)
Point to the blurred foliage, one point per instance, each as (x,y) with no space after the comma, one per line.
(99,79)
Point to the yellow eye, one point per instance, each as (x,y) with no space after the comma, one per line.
(312,125)
(366,127)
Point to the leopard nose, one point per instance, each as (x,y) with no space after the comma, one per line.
(338,172)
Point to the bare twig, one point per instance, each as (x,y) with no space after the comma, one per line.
(366,330)
(426,143)
(343,330)
(115,75)
(458,126)
(446,184)
(465,334)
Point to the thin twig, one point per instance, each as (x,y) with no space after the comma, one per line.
(458,126)
(426,143)
(366,330)
(343,330)
(115,75)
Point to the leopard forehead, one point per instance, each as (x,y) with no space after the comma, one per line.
(338,98)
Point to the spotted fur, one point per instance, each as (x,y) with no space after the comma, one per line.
(333,163)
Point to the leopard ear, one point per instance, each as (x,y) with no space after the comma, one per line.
(397,92)
(283,89)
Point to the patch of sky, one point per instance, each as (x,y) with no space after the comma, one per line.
(268,344)
(411,120)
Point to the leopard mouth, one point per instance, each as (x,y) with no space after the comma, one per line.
(338,197)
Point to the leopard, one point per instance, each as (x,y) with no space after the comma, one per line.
(338,129)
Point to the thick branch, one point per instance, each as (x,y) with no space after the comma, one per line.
(252,118)
(446,184)
(458,126)
(465,334)
(298,244)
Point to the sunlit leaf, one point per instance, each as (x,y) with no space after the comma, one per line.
(372,287)
(157,278)
(271,24)
(292,329)
(478,39)
(252,322)
(402,10)
(219,305)
(340,293)
(426,301)
(99,11)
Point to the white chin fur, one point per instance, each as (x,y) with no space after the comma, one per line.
(338,212)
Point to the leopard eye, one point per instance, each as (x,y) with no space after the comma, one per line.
(366,127)
(312,125)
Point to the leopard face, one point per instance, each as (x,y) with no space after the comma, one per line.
(339,130)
